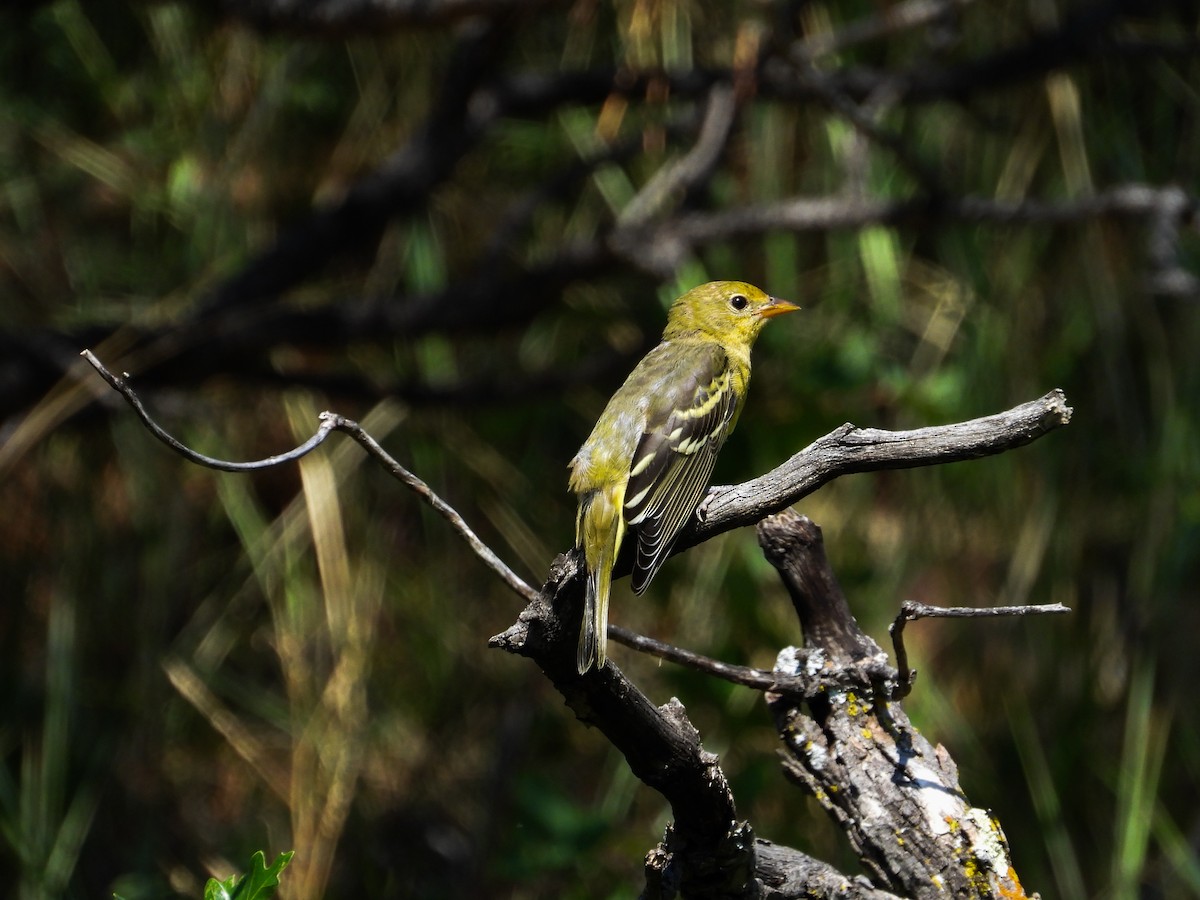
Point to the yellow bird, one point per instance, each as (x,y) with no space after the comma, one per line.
(648,461)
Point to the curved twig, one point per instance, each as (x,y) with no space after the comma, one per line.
(330,422)
(120,385)
(911,610)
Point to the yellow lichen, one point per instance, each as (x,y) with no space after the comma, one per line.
(1015,891)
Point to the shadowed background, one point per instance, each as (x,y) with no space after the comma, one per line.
(460,223)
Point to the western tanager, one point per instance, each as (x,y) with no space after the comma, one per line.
(647,463)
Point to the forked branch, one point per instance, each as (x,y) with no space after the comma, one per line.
(895,795)
(707,850)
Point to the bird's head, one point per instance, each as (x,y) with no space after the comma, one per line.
(728,311)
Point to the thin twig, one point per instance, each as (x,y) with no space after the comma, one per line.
(444,509)
(122,386)
(330,422)
(743,675)
(798,686)
(911,610)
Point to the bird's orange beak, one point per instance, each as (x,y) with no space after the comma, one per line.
(777,307)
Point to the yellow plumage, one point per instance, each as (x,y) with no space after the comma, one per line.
(648,461)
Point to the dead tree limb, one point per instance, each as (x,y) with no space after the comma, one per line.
(850,449)
(708,851)
(712,853)
(894,795)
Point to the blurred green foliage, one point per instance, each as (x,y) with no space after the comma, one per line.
(194,665)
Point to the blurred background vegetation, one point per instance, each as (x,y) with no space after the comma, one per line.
(442,219)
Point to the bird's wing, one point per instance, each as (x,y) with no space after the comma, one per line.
(674,460)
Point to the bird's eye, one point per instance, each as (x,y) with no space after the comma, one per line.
(737,301)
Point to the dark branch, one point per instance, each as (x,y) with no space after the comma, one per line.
(787,873)
(851,449)
(233,341)
(222,465)
(663,749)
(743,675)
(819,214)
(1084,33)
(707,852)
(887,22)
(793,545)
(911,610)
(401,184)
(330,422)
(811,681)
(338,17)
(895,796)
(660,745)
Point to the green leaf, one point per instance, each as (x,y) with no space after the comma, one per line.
(260,884)
(220,890)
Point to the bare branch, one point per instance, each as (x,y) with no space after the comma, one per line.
(896,796)
(330,422)
(743,675)
(662,747)
(818,214)
(788,873)
(440,506)
(711,853)
(122,386)
(342,16)
(812,678)
(911,610)
(851,449)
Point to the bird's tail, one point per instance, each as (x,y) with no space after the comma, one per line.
(593,636)
(601,527)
